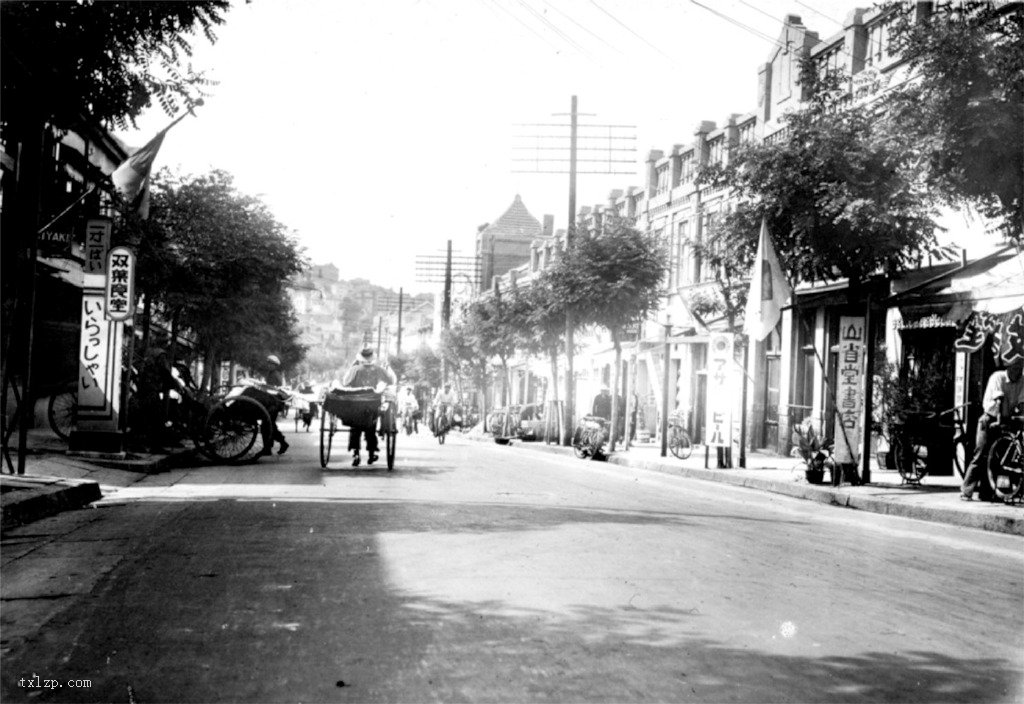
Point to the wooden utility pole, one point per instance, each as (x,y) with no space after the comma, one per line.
(570,231)
(398,344)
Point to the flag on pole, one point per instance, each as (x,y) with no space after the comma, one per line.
(131,178)
(769,290)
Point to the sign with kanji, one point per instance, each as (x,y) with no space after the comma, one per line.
(120,290)
(1006,332)
(850,389)
(97,244)
(720,389)
(99,366)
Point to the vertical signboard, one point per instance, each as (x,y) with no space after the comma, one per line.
(99,363)
(120,290)
(97,244)
(850,390)
(720,401)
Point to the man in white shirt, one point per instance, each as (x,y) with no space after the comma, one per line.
(444,405)
(1005,389)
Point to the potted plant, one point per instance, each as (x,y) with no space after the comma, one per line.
(814,450)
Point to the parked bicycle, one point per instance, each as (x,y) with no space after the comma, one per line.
(910,441)
(1006,460)
(679,441)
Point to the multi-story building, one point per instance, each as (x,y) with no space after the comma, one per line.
(792,372)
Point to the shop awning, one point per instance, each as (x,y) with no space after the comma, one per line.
(992,284)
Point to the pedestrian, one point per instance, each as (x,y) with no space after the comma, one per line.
(364,372)
(271,397)
(156,381)
(1004,391)
(603,404)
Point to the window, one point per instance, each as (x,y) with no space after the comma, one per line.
(747,132)
(681,266)
(663,174)
(830,61)
(879,44)
(716,150)
(686,167)
(710,245)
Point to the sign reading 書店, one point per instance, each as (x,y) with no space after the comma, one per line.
(850,389)
(720,396)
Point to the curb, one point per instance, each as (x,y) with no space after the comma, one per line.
(46,497)
(1013,525)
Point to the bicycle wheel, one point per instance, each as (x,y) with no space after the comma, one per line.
(389,447)
(579,445)
(911,459)
(440,436)
(679,443)
(231,429)
(60,412)
(1005,469)
(960,457)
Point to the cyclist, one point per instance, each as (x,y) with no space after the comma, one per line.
(444,406)
(364,372)
(408,406)
(1005,389)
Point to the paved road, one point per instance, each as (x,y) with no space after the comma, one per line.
(481,573)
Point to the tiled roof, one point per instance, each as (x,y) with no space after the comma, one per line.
(516,222)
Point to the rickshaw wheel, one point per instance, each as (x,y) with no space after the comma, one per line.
(327,428)
(232,428)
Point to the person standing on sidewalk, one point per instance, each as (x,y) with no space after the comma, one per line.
(365,373)
(1005,389)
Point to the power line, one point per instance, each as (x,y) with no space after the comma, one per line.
(631,31)
(565,37)
(584,28)
(817,12)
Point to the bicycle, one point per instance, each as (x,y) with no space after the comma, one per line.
(679,441)
(589,437)
(1005,463)
(909,447)
(61,409)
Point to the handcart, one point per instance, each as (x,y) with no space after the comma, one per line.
(361,407)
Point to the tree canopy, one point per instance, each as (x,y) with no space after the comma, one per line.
(108,60)
(218,262)
(840,193)
(964,107)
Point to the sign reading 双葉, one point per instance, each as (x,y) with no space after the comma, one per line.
(849,389)
(120,289)
(720,396)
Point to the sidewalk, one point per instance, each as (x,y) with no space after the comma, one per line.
(937,499)
(55,481)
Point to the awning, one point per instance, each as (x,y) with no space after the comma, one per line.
(993,284)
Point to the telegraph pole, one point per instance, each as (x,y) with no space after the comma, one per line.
(398,344)
(570,397)
(606,148)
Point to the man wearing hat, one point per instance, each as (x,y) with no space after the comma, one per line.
(272,400)
(365,372)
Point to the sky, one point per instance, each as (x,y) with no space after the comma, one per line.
(377,130)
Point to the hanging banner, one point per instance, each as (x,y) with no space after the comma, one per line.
(720,395)
(1006,331)
(849,390)
(99,378)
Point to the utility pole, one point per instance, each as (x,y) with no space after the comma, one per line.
(398,345)
(570,231)
(600,148)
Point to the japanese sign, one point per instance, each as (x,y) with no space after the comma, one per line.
(1006,331)
(99,365)
(849,389)
(720,396)
(120,291)
(97,243)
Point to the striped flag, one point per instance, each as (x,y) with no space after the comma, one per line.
(769,290)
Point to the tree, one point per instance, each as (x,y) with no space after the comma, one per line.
(611,280)
(107,60)
(459,351)
(964,110)
(217,263)
(543,326)
(841,195)
(492,324)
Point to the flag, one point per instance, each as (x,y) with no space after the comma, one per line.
(769,290)
(131,178)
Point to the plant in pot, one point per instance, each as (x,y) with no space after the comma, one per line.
(909,399)
(815,450)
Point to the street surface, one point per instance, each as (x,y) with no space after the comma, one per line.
(481,573)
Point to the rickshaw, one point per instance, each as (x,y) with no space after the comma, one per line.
(360,406)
